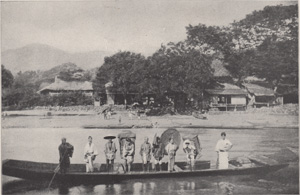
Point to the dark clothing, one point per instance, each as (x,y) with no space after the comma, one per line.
(110,150)
(65,152)
(158,151)
(110,165)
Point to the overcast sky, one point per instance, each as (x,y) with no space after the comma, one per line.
(139,26)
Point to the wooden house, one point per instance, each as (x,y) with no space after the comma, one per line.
(261,96)
(226,97)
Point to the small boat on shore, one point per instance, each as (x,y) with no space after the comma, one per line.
(77,175)
(108,127)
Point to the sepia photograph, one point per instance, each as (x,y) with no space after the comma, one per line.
(149,97)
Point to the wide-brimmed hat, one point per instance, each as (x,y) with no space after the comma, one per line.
(109,137)
(187,142)
(128,139)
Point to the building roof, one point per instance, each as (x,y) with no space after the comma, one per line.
(253,78)
(60,85)
(258,90)
(226,89)
(220,70)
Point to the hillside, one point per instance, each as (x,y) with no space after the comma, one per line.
(44,57)
(67,72)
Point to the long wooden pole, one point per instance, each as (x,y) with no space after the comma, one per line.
(56,170)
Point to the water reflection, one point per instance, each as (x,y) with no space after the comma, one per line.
(175,186)
(63,189)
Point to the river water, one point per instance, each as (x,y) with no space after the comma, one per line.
(40,144)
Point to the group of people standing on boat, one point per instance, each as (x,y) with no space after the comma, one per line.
(157,150)
(147,151)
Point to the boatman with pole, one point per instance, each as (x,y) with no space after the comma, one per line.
(65,152)
(222,148)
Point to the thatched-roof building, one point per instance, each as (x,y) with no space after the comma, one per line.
(261,96)
(59,86)
(226,97)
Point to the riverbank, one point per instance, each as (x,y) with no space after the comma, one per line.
(121,120)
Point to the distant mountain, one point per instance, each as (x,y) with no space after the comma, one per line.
(44,57)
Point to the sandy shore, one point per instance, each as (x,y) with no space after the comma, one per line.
(90,119)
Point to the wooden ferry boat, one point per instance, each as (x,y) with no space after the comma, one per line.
(77,175)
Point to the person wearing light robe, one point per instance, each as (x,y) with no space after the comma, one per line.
(171,149)
(128,154)
(222,148)
(145,153)
(90,153)
(110,154)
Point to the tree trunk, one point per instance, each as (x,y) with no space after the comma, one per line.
(276,87)
(125,99)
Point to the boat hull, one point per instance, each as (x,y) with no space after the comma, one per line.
(80,177)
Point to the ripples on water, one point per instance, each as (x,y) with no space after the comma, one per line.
(41,144)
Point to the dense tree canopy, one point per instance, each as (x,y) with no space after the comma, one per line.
(7,78)
(277,62)
(263,44)
(122,70)
(177,68)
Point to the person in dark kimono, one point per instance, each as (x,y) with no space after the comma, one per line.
(158,153)
(65,152)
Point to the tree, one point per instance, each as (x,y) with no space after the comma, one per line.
(273,21)
(23,89)
(238,42)
(240,64)
(7,77)
(209,39)
(277,62)
(122,70)
(180,70)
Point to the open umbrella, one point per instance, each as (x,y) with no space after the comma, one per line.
(194,140)
(123,136)
(170,133)
(106,109)
(109,137)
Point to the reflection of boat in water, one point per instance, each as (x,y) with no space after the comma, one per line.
(77,175)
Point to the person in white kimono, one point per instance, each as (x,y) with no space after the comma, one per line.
(90,153)
(222,148)
(171,149)
(145,153)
